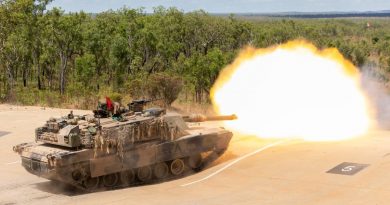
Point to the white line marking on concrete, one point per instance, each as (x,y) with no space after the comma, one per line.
(15,162)
(235,161)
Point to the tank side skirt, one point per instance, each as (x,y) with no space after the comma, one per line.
(167,151)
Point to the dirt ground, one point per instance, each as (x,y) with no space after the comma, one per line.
(252,171)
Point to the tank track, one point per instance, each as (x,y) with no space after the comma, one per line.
(134,184)
(187,171)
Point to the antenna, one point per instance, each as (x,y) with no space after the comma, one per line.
(98,116)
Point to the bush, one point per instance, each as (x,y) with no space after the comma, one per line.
(165,87)
(136,88)
(116,97)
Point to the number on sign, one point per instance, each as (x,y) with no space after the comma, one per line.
(348,168)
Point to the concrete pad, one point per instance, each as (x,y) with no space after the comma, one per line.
(252,171)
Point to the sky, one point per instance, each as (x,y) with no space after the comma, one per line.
(226,6)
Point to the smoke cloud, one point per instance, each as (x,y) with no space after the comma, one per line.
(375,87)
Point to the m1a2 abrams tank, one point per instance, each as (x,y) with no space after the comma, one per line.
(142,147)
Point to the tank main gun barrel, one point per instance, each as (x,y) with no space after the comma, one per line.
(203,118)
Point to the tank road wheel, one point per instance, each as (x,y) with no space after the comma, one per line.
(77,175)
(127,177)
(91,183)
(110,180)
(161,170)
(195,161)
(177,167)
(144,173)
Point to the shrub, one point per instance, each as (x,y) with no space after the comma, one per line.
(164,86)
(116,97)
(136,88)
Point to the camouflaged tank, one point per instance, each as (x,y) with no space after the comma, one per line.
(90,152)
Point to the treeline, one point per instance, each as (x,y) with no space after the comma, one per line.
(55,58)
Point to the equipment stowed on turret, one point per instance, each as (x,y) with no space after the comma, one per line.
(109,108)
(138,105)
(145,145)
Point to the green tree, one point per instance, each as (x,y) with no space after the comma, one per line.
(66,31)
(86,70)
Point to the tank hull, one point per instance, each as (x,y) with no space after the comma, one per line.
(75,167)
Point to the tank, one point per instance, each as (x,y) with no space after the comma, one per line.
(141,146)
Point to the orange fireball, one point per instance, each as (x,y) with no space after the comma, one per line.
(293,91)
